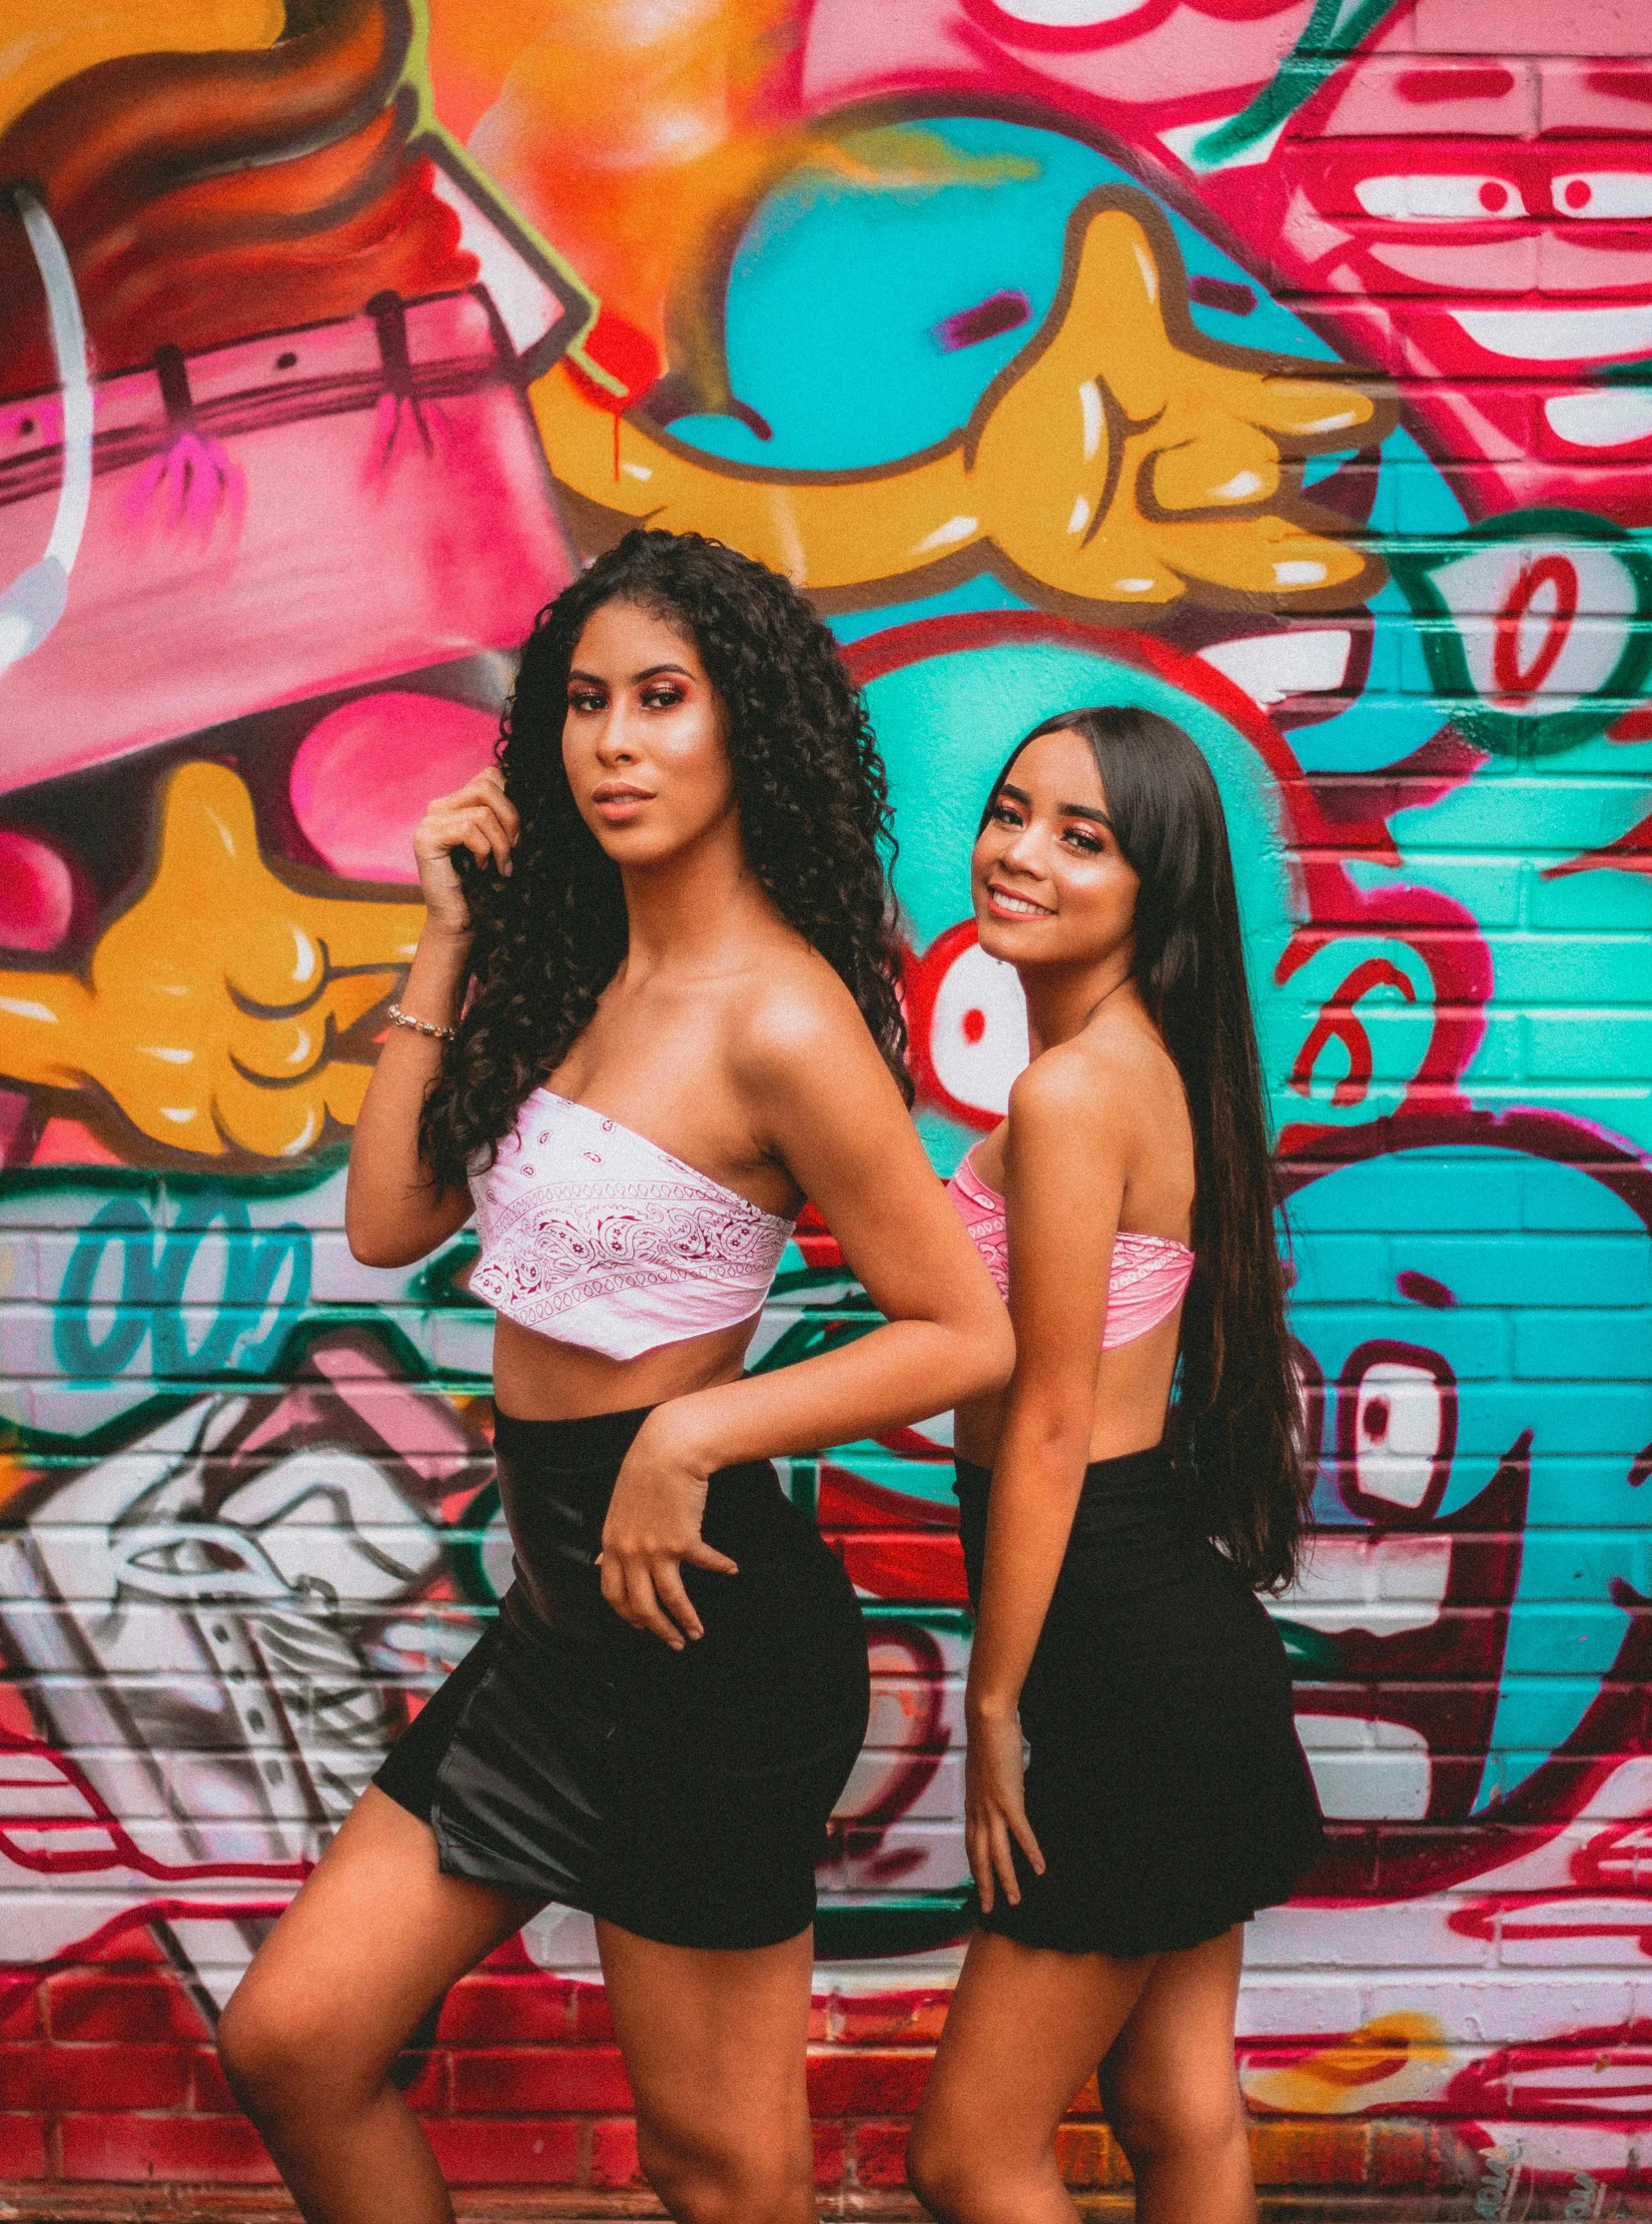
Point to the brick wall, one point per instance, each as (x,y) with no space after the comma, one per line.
(1302,355)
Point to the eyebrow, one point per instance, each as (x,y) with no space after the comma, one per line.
(653,672)
(1067,810)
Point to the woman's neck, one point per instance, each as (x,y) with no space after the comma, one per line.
(1061,999)
(689,911)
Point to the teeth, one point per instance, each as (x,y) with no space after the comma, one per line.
(1018,903)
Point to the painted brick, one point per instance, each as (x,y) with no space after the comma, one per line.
(89,2004)
(20,2012)
(911,1565)
(830,2154)
(914,2019)
(613,2154)
(505,2150)
(869,2081)
(127,2149)
(96,2077)
(553,2079)
(1309,2153)
(509,2010)
(1090,2158)
(592,2019)
(22,2147)
(880,2154)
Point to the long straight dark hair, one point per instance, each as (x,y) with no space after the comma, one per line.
(1235,1420)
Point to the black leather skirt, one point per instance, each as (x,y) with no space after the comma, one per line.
(1165,1784)
(570,1758)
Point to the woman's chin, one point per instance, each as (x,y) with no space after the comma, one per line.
(1004,939)
(633,844)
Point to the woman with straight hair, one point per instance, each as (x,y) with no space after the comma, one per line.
(1135,1785)
(669,908)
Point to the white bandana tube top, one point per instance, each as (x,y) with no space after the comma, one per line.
(593,1235)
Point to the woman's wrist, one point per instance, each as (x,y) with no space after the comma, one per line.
(987,1707)
(434,984)
(446,945)
(677,1429)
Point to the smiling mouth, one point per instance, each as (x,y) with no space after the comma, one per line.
(1008,906)
(1584,334)
(1414,1671)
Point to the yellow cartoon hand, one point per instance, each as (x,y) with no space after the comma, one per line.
(213,1002)
(1122,457)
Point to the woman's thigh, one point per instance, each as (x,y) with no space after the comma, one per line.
(367,1948)
(715,2042)
(1026,2027)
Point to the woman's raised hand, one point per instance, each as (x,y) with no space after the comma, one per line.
(653,1526)
(478,817)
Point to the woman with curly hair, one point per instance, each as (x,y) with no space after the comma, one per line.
(1120,1506)
(672,914)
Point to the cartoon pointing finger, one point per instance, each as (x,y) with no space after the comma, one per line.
(212,1004)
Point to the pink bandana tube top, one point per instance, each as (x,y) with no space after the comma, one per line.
(593,1235)
(1147,1277)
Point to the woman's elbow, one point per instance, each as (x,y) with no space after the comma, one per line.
(375,1241)
(990,1359)
(368,1247)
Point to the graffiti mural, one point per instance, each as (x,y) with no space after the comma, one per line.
(1282,365)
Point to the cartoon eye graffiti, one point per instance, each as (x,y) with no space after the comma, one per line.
(1607,195)
(969,1027)
(1450,196)
(1396,1430)
(1534,626)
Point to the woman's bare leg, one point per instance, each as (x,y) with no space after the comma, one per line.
(1171,2095)
(715,2043)
(308,2041)
(1025,2029)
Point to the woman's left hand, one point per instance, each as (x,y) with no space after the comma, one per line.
(995,1812)
(653,1526)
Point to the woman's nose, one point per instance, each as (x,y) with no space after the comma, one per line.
(1026,853)
(615,744)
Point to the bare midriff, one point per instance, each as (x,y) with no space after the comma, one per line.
(538,1379)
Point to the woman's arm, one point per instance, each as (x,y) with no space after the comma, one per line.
(836,1121)
(393,1212)
(1063,1190)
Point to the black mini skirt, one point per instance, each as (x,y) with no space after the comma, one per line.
(1166,1782)
(571,1757)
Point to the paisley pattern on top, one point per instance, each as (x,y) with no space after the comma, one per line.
(1145,1279)
(595,1236)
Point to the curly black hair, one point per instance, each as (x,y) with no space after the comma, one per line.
(813,800)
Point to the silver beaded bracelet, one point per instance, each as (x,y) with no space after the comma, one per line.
(421,1027)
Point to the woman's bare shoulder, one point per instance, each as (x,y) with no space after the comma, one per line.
(1098,1092)
(788,1013)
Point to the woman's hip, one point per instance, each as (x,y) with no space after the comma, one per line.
(557,1479)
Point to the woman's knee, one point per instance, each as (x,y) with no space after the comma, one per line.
(953,2177)
(259,2050)
(932,2174)
(1199,2117)
(279,2061)
(701,2182)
